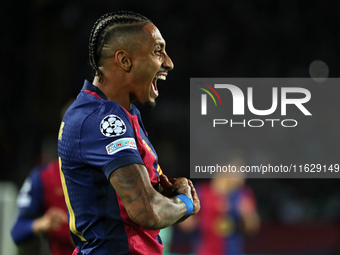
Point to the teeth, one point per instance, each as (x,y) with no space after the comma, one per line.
(161,77)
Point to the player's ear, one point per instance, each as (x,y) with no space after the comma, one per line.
(123,60)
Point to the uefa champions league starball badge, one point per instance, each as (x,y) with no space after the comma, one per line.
(112,126)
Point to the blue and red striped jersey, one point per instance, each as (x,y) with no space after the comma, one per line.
(96,137)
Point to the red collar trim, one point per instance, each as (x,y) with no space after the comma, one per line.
(93,94)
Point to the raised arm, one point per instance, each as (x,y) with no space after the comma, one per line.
(146,206)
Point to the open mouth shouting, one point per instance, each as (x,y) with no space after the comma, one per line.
(160,76)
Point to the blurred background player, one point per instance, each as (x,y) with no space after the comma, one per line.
(228,215)
(42,210)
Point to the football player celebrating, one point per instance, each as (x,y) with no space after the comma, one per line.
(116,194)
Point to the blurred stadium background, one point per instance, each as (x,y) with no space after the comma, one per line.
(43,47)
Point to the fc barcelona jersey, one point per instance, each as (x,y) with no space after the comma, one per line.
(96,137)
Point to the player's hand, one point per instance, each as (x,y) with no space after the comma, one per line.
(166,186)
(175,186)
(195,199)
(52,219)
(181,185)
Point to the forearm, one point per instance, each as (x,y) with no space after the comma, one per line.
(144,205)
(163,212)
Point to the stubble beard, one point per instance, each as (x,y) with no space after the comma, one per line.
(150,104)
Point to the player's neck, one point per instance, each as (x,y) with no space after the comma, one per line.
(114,91)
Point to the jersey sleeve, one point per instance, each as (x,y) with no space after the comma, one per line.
(108,140)
(29,203)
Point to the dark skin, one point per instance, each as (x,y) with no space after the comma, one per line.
(145,205)
(129,74)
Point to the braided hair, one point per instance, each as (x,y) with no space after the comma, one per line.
(106,29)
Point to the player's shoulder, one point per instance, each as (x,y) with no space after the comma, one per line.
(104,117)
(37,172)
(31,187)
(109,115)
(50,169)
(92,111)
(112,108)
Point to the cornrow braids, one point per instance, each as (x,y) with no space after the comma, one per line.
(98,33)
